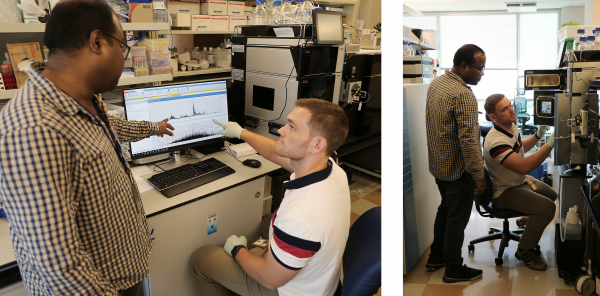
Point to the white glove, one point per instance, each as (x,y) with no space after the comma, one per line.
(233,241)
(541,131)
(232,129)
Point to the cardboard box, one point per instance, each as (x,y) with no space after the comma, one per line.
(19,51)
(407,32)
(237,21)
(181,19)
(141,13)
(235,8)
(213,7)
(187,6)
(430,36)
(220,23)
(201,23)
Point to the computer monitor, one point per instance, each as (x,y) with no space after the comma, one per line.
(328,26)
(190,109)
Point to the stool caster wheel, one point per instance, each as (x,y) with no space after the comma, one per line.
(499,261)
(471,248)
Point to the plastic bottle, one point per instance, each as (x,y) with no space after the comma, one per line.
(210,57)
(405,50)
(203,53)
(298,11)
(194,54)
(259,16)
(276,12)
(582,43)
(287,12)
(573,227)
(412,49)
(580,33)
(591,43)
(307,10)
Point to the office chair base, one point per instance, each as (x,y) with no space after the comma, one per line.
(504,234)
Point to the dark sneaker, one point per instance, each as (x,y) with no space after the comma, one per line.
(531,259)
(434,264)
(462,274)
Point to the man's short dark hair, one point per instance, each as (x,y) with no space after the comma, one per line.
(466,53)
(71,23)
(491,102)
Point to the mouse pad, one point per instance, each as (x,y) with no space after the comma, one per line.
(212,224)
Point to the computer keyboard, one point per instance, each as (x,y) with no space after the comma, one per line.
(189,176)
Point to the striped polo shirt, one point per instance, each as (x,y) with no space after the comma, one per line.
(310,229)
(499,144)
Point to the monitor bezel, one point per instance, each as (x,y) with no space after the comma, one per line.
(183,146)
(316,14)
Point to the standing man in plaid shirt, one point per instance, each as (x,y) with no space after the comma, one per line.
(455,159)
(76,220)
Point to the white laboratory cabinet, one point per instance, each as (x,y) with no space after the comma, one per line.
(424,189)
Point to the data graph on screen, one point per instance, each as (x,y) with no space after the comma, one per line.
(183,109)
(189,108)
(188,132)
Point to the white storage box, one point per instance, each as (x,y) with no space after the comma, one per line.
(571,31)
(188,6)
(418,69)
(201,23)
(237,21)
(181,19)
(213,7)
(235,8)
(220,23)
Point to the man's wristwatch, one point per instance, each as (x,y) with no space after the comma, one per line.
(236,249)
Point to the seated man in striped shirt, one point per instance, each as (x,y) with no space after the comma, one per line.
(308,232)
(505,161)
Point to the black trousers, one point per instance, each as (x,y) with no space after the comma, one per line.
(135,290)
(451,220)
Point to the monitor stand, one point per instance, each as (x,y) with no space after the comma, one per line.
(176,159)
(150,159)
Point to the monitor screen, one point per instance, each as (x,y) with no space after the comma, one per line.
(329,27)
(190,109)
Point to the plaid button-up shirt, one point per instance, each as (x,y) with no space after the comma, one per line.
(69,197)
(452,129)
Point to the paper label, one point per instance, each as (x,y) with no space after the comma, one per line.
(284,32)
(238,48)
(159,5)
(237,74)
(212,224)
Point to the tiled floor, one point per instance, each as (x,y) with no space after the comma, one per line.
(512,278)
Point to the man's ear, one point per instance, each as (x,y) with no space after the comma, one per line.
(319,145)
(95,42)
(492,117)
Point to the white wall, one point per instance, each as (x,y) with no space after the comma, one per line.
(574,14)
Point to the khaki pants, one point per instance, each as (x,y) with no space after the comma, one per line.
(215,272)
(539,205)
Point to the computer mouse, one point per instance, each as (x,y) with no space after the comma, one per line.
(253,163)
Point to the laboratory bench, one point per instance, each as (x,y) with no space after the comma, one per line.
(179,225)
